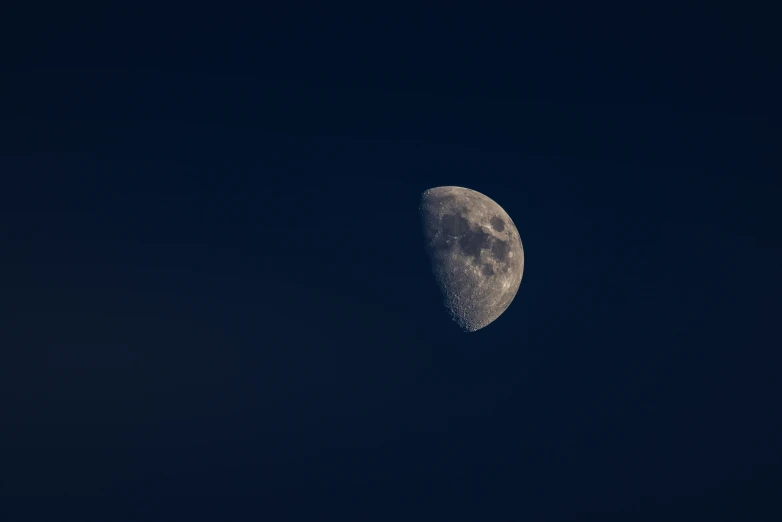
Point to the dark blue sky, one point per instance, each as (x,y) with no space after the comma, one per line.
(213,282)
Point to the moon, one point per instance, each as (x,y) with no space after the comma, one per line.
(475,253)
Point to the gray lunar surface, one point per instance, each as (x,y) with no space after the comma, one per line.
(475,253)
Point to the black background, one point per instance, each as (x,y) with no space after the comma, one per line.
(215,303)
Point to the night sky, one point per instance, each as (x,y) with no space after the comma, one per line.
(215,303)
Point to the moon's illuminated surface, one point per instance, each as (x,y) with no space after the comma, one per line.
(475,252)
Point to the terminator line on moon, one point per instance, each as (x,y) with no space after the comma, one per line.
(475,252)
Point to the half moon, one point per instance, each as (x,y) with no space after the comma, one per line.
(475,253)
